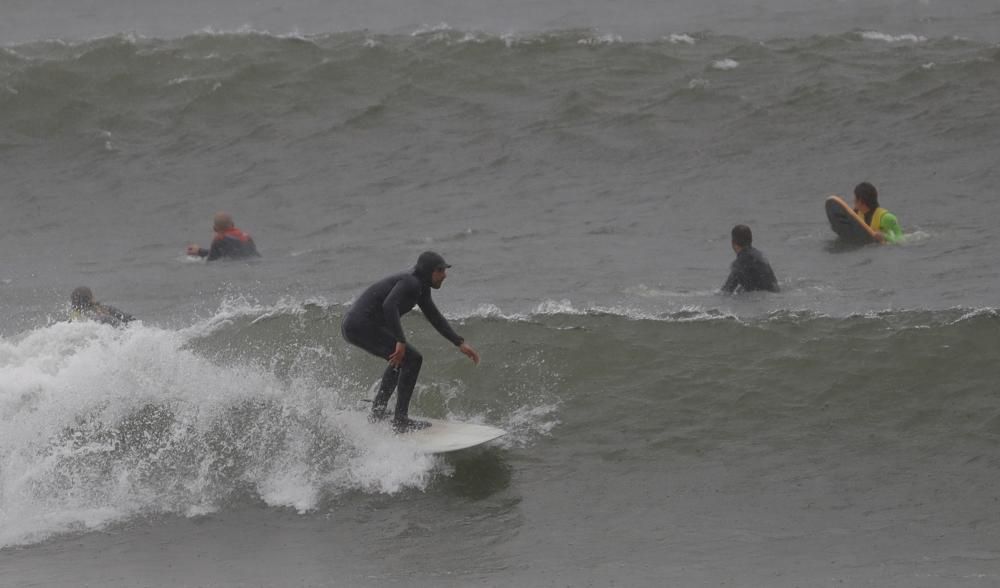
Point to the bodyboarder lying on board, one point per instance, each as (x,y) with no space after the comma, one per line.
(373,324)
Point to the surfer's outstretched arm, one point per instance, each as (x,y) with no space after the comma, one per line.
(441,325)
(437,320)
(469,352)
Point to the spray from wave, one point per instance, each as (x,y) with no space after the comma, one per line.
(99,425)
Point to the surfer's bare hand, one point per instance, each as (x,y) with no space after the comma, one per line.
(470,352)
(880,237)
(193,249)
(396,357)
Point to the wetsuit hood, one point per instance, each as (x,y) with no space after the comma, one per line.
(427,263)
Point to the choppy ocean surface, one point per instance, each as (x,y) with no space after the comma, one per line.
(581,169)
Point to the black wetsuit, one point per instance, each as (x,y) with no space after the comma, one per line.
(750,271)
(373,325)
(230,244)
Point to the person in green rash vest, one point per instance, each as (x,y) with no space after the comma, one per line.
(883,222)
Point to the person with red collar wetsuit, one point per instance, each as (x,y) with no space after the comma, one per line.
(228,242)
(373,324)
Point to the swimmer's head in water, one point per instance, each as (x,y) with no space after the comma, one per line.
(82,298)
(222,221)
(742,236)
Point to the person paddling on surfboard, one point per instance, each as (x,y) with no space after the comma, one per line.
(373,324)
(750,270)
(228,242)
(881,221)
(83,307)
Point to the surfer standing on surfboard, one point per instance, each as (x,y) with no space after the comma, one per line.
(373,325)
(750,270)
(881,221)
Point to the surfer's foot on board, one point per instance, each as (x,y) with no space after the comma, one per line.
(407,425)
(377,415)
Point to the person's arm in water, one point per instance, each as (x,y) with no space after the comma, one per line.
(765,273)
(216,251)
(890,230)
(733,281)
(772,280)
(194,250)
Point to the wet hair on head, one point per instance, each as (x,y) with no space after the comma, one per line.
(222,221)
(867,193)
(742,236)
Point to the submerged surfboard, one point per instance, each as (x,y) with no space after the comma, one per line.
(850,227)
(445,436)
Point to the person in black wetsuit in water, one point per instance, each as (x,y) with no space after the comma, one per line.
(373,325)
(84,307)
(750,270)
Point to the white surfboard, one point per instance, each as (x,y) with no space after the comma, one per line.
(445,436)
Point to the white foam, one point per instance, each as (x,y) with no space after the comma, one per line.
(605,39)
(99,424)
(184,79)
(428,29)
(726,64)
(644,291)
(565,307)
(68,392)
(250,30)
(490,311)
(378,460)
(241,306)
(528,423)
(914,237)
(976,313)
(479,39)
(681,38)
(510,39)
(878,36)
